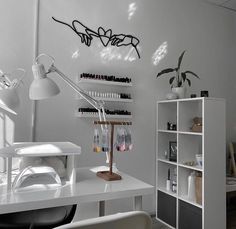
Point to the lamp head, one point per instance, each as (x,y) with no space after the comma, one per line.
(42,87)
(9,100)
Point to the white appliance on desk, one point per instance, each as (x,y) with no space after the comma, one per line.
(40,149)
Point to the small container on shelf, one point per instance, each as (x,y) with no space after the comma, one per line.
(174,181)
(199,159)
(197,125)
(198,188)
(191,187)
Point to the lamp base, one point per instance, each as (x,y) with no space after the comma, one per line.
(108,177)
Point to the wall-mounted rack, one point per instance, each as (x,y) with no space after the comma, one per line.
(104,82)
(111,98)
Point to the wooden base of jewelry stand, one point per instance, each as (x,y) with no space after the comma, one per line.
(109,175)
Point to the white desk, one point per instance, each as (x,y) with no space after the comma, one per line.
(88,188)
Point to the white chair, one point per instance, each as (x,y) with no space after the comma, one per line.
(127,220)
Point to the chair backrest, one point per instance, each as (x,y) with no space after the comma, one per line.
(41,218)
(128,220)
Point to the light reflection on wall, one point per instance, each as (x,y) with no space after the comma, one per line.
(131,10)
(114,53)
(75,54)
(160,53)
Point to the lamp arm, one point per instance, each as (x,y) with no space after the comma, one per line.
(97,104)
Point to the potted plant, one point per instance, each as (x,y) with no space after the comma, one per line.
(178,81)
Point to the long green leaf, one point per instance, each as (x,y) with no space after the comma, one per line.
(192,73)
(183,75)
(171,80)
(180,59)
(167,70)
(189,82)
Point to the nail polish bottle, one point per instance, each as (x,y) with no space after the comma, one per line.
(168,181)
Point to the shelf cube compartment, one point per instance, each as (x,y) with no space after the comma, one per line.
(167,112)
(163,144)
(163,175)
(166,210)
(188,110)
(183,186)
(189,216)
(189,146)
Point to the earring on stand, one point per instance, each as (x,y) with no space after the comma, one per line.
(118,139)
(128,139)
(96,141)
(105,140)
(122,145)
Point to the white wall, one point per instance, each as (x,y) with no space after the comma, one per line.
(205,31)
(16,50)
(16,45)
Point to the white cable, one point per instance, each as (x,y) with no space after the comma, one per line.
(43,54)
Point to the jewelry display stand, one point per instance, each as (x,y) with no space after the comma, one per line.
(109,175)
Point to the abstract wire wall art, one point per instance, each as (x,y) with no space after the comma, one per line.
(106,36)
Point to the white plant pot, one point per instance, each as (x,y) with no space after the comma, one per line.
(179,91)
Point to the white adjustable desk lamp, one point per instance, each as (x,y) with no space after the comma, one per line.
(43,87)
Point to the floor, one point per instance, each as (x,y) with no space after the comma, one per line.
(157,225)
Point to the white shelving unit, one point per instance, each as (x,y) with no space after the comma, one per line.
(174,209)
(115,102)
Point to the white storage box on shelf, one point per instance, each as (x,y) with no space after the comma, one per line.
(42,149)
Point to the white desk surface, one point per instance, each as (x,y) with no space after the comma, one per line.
(40,149)
(88,188)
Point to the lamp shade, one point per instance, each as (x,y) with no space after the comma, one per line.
(42,87)
(9,100)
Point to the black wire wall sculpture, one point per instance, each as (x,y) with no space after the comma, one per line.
(106,36)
